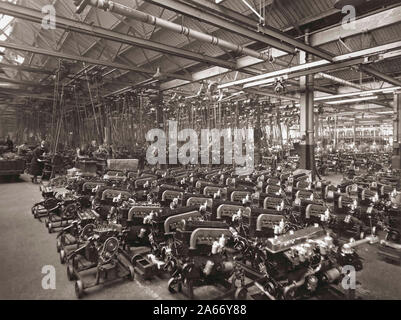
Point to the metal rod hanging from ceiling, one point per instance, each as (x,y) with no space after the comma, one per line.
(152,20)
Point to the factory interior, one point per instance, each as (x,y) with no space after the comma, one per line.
(200,150)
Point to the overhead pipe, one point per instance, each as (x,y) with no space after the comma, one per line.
(341,81)
(347,83)
(117,8)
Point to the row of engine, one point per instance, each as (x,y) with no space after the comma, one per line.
(279,230)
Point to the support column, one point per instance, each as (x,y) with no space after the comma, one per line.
(307,115)
(397,132)
(157,101)
(160,113)
(140,130)
(335,132)
(107,134)
(374,134)
(236,116)
(316,119)
(258,134)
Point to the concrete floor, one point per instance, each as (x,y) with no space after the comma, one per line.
(26,247)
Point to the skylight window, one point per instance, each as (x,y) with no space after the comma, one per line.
(5,31)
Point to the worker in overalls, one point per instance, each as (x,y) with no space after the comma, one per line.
(37,162)
(93,147)
(82,152)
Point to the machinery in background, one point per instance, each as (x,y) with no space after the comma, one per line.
(295,265)
(11,165)
(208,226)
(202,257)
(390,246)
(100,254)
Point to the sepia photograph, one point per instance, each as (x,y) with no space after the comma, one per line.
(230,152)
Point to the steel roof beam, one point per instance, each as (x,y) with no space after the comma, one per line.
(349,59)
(380,75)
(365,24)
(387,17)
(72,57)
(26,83)
(270,36)
(95,31)
(226,12)
(26,68)
(177,28)
(202,15)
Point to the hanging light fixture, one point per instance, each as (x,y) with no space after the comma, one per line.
(353,100)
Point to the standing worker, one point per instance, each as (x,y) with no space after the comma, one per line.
(37,162)
(10,144)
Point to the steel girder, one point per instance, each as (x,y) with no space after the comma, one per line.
(67,56)
(95,31)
